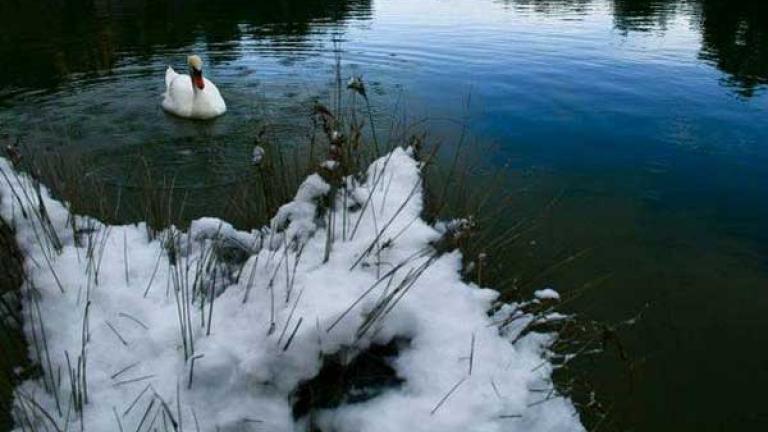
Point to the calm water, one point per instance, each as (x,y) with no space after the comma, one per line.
(648,117)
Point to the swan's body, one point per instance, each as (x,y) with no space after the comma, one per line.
(192,97)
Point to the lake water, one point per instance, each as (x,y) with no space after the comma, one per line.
(647,118)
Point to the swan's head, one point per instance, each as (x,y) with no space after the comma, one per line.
(196,71)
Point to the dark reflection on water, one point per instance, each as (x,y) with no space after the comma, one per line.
(48,40)
(647,117)
(735,37)
(734,32)
(646,15)
(552,7)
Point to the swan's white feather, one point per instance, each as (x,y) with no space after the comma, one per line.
(183,100)
(170,74)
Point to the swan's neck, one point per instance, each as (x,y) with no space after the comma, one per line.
(194,76)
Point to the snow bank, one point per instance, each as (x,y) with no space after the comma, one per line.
(214,329)
(547,294)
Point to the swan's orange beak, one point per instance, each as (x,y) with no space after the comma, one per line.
(197,79)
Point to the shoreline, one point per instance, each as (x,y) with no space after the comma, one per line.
(294,214)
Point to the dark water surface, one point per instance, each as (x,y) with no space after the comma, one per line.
(648,118)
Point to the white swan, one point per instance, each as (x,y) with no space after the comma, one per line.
(192,96)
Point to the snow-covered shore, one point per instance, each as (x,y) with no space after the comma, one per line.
(215,329)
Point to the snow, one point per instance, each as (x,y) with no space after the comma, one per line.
(547,294)
(330,164)
(312,283)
